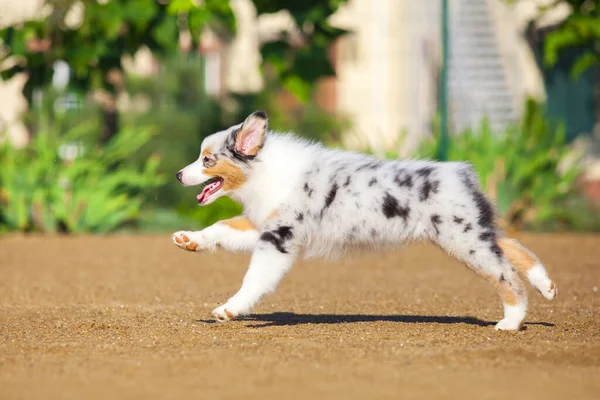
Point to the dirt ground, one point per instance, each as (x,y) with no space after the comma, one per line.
(129,317)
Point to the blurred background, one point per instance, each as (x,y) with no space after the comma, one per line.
(101,102)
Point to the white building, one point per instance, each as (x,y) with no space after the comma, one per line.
(387,68)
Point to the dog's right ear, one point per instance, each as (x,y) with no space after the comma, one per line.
(251,136)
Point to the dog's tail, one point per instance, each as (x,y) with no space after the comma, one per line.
(529,265)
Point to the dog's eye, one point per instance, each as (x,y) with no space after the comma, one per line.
(206,160)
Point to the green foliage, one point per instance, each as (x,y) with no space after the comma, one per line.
(96,191)
(298,66)
(524,169)
(108,31)
(581,29)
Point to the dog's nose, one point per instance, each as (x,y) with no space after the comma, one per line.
(178,176)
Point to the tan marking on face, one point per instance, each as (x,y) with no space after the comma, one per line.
(233,176)
(516,254)
(206,152)
(239,224)
(273,214)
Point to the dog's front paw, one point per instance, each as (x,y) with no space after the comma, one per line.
(191,241)
(507,325)
(185,240)
(223,314)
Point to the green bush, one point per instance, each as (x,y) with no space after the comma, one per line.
(525,170)
(64,183)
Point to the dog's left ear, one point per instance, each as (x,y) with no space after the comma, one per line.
(251,135)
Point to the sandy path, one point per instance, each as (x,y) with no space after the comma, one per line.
(128,317)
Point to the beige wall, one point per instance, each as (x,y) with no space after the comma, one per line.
(386,71)
(12,102)
(243,70)
(14,11)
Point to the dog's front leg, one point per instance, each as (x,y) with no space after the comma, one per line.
(271,260)
(236,234)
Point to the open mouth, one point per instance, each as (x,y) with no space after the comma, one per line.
(209,188)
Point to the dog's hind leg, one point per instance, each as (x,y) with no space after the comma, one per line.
(529,265)
(511,291)
(486,259)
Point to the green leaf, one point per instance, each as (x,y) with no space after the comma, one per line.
(583,63)
(198,19)
(299,87)
(180,6)
(140,12)
(557,40)
(166,32)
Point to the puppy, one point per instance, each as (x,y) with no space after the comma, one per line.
(303,199)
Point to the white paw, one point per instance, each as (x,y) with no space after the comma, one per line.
(191,241)
(513,317)
(507,325)
(539,279)
(222,314)
(551,292)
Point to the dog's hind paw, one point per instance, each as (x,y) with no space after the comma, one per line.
(190,241)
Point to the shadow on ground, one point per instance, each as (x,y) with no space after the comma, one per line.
(285,319)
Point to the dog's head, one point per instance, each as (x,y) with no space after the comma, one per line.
(226,159)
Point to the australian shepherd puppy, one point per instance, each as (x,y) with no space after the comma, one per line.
(303,199)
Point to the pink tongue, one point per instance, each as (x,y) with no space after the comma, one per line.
(205,191)
(200,197)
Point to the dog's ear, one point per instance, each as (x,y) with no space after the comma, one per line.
(251,135)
